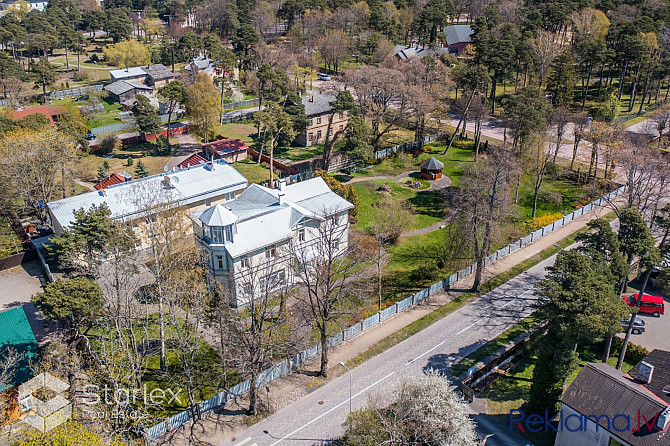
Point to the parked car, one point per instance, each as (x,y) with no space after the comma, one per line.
(324,77)
(639,326)
(653,305)
(89,136)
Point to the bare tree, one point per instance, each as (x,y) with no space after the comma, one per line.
(545,47)
(334,47)
(252,338)
(579,124)
(324,267)
(560,118)
(484,197)
(660,121)
(537,160)
(645,174)
(382,96)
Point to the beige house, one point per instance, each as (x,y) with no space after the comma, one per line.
(318,111)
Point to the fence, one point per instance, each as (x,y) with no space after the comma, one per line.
(240,104)
(127,126)
(294,363)
(406,147)
(74,91)
(237,118)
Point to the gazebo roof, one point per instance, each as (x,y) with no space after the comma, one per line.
(432,164)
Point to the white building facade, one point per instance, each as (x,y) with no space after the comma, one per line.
(258,243)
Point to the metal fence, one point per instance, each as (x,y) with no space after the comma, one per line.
(127,126)
(75,91)
(406,147)
(240,104)
(237,118)
(285,367)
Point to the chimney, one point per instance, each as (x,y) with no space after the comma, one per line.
(281,194)
(663,419)
(645,372)
(103,192)
(282,185)
(311,98)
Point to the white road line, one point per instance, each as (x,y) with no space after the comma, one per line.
(425,353)
(332,409)
(245,441)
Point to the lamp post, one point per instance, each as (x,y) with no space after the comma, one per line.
(350,387)
(556,245)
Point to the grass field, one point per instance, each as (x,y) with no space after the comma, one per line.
(253,172)
(87,166)
(238,130)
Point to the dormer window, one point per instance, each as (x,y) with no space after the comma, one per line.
(221,234)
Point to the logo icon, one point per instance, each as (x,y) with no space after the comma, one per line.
(41,403)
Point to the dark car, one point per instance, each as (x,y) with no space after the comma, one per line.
(89,136)
(639,326)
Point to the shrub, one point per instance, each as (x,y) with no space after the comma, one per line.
(80,76)
(163,147)
(108,144)
(129,161)
(544,220)
(426,273)
(634,353)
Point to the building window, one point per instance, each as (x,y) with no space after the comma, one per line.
(274,280)
(336,220)
(245,262)
(217,235)
(330,132)
(271,252)
(228,232)
(219,262)
(341,127)
(318,120)
(341,115)
(229,196)
(310,136)
(318,135)
(335,245)
(301,235)
(311,122)
(208,202)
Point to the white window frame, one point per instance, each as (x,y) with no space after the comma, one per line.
(217,234)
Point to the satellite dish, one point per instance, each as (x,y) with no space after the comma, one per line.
(166,168)
(174,181)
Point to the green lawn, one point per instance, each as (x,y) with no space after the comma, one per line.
(427,205)
(252,171)
(111,115)
(459,156)
(299,153)
(238,130)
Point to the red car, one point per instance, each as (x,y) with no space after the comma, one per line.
(653,305)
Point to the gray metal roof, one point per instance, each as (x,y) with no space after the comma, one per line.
(127,72)
(127,200)
(201,63)
(119,87)
(158,72)
(317,104)
(432,164)
(218,215)
(266,219)
(403,52)
(458,34)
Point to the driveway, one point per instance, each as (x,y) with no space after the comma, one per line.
(188,145)
(658,328)
(19,284)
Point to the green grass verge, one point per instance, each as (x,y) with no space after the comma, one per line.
(462,300)
(492,346)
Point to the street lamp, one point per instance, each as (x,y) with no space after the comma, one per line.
(556,245)
(350,385)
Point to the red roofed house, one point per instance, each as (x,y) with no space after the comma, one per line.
(229,150)
(115,178)
(52,113)
(192,160)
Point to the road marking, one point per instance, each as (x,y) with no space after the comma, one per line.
(425,353)
(332,409)
(245,441)
(488,315)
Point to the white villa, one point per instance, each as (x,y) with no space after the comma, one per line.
(193,188)
(254,243)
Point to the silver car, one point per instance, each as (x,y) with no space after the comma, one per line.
(639,326)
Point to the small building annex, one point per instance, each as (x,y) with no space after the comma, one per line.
(230,150)
(253,244)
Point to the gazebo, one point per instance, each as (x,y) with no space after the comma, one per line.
(431,169)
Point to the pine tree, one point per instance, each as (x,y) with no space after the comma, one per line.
(102,173)
(141,170)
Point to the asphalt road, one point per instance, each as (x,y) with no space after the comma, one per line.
(320,415)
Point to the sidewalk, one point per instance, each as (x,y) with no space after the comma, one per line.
(219,427)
